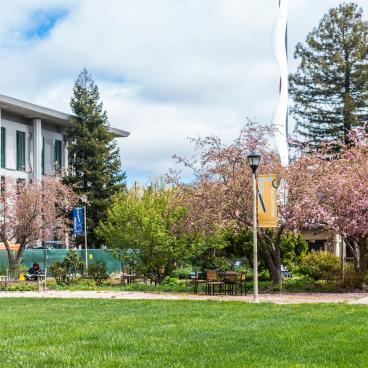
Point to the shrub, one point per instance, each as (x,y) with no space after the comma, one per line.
(306,284)
(172,281)
(351,279)
(67,270)
(181,273)
(74,265)
(320,265)
(20,286)
(58,271)
(97,272)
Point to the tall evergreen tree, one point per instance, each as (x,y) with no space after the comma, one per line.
(94,156)
(330,86)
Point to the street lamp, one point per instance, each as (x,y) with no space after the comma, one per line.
(84,200)
(254,159)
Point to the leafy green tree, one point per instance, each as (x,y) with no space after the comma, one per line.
(330,86)
(293,249)
(94,156)
(146,221)
(210,252)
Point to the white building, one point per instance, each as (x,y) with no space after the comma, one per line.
(34,139)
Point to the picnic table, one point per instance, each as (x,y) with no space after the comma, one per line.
(127,278)
(228,282)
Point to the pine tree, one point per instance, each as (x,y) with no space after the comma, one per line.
(330,86)
(94,156)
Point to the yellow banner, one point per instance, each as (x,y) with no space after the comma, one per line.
(267,200)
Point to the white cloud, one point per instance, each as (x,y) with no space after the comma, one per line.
(166,69)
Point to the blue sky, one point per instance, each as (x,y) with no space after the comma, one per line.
(166,69)
(43,22)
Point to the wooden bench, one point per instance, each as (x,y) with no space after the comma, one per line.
(11,279)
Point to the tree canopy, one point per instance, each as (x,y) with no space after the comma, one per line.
(33,212)
(146,222)
(94,156)
(330,86)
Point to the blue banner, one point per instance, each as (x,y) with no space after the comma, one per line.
(78,221)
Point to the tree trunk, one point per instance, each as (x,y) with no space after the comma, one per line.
(359,248)
(14,258)
(274,267)
(272,255)
(362,264)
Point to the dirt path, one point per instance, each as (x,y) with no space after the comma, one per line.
(353,298)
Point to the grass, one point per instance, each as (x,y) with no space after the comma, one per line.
(128,333)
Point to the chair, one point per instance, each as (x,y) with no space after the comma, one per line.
(230,279)
(242,282)
(198,279)
(213,283)
(128,276)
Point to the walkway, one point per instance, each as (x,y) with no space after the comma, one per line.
(351,298)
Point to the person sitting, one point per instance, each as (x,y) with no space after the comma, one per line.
(34,272)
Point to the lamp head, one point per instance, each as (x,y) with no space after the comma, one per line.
(254,159)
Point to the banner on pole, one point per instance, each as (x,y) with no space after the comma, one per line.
(78,227)
(267,200)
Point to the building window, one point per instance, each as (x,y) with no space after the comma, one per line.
(57,155)
(21,151)
(43,156)
(2,151)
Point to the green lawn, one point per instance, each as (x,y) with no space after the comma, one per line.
(114,333)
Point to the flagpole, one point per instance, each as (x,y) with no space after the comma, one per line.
(85,236)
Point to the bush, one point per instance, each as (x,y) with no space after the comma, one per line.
(320,265)
(181,273)
(172,281)
(58,271)
(352,279)
(69,269)
(97,272)
(73,264)
(20,286)
(306,284)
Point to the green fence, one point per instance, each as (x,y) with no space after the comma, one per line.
(45,257)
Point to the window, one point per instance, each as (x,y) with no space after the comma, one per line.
(2,152)
(21,151)
(43,156)
(57,155)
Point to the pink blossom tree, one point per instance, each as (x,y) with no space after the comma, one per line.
(324,191)
(31,212)
(221,195)
(332,194)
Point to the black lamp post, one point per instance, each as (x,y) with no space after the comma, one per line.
(254,159)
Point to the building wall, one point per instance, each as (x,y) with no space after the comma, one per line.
(50,132)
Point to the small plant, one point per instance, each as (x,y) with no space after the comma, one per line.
(97,272)
(320,265)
